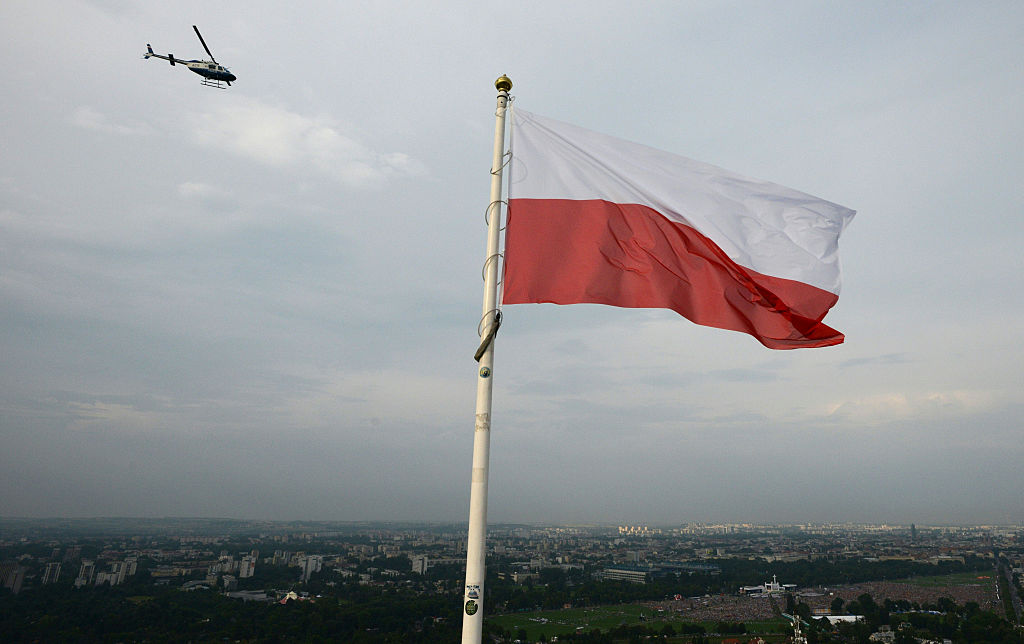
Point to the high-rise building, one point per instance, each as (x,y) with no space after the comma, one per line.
(122,571)
(12,576)
(312,564)
(132,565)
(246,568)
(420,563)
(52,573)
(86,573)
(114,576)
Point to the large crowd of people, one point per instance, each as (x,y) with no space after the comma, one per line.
(720,608)
(982,593)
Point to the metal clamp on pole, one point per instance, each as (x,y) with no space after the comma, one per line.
(492,330)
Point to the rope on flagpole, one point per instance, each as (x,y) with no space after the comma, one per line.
(508,157)
(494,314)
(487,212)
(487,263)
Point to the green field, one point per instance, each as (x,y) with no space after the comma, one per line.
(559,622)
(958,579)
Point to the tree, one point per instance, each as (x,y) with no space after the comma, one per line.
(867,604)
(837,605)
(905,636)
(946,605)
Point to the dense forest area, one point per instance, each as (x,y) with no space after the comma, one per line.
(64,614)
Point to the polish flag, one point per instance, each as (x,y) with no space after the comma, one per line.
(596,219)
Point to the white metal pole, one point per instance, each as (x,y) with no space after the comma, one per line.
(476,545)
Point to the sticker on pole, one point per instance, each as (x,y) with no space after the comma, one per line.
(471,607)
(473,591)
(485,372)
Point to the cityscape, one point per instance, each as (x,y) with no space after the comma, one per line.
(773,583)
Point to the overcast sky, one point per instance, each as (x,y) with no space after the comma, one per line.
(262,302)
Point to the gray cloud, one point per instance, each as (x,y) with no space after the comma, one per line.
(262,302)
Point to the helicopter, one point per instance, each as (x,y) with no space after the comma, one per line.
(213,73)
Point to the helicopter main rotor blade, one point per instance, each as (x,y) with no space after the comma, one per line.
(204,43)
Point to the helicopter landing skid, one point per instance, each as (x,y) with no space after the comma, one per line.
(209,82)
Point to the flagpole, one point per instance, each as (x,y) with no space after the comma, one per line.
(476,545)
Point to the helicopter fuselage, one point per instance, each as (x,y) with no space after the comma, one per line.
(206,69)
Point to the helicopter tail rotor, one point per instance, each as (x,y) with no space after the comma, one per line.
(149,51)
(170,57)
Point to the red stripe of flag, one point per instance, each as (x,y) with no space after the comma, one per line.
(566,251)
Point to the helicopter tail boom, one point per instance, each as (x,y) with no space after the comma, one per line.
(151,54)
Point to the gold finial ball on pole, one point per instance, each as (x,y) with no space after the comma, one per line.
(503,84)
